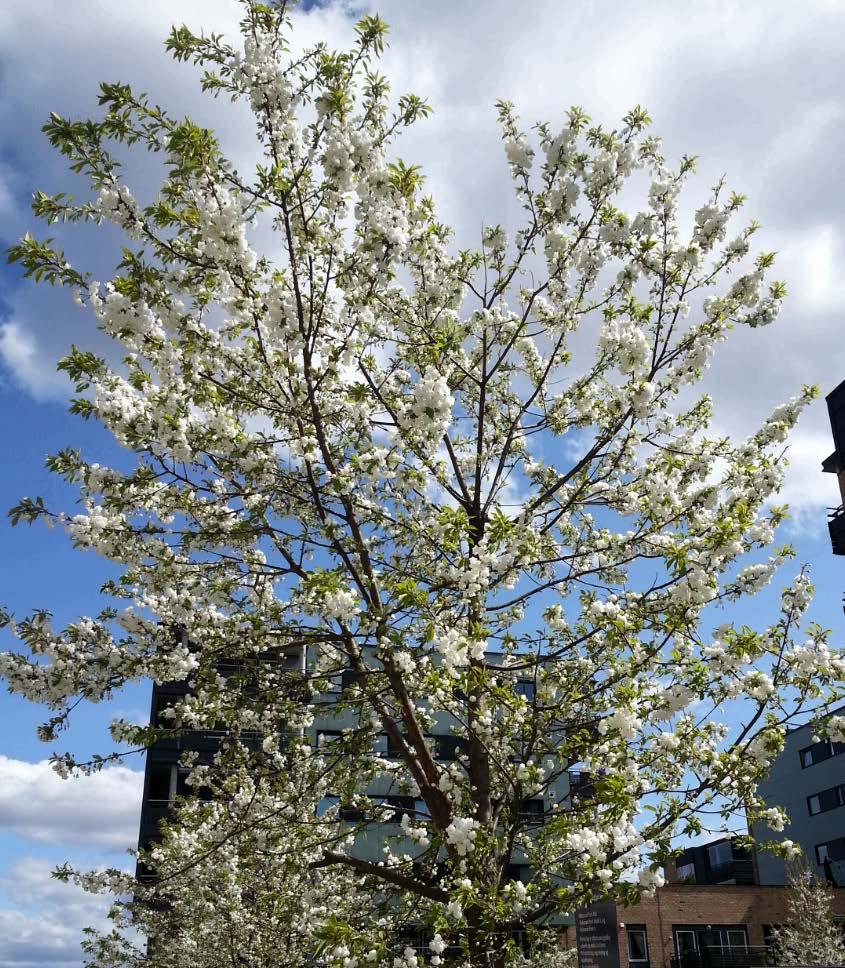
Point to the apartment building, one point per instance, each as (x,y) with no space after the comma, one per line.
(164,778)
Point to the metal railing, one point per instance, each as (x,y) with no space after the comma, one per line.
(836,527)
(725,956)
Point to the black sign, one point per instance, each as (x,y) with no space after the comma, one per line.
(596,936)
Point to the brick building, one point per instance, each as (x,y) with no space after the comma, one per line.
(702,925)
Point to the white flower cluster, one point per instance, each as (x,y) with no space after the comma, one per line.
(116,203)
(836,728)
(221,236)
(437,946)
(408,959)
(416,833)
(461,834)
(627,345)
(710,226)
(456,649)
(121,315)
(260,72)
(623,722)
(430,411)
(519,153)
(341,605)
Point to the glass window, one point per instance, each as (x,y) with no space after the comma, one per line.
(326,736)
(720,854)
(350,814)
(326,804)
(685,942)
(159,785)
(822,853)
(532,811)
(637,945)
(816,753)
(348,678)
(380,743)
(162,704)
(524,687)
(737,938)
(447,747)
(814,805)
(686,872)
(401,805)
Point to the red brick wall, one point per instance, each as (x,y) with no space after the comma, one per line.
(696,904)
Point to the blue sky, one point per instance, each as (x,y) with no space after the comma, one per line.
(754,88)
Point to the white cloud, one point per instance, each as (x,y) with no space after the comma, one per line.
(31,367)
(42,919)
(101,810)
(811,260)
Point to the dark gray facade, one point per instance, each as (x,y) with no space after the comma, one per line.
(808,781)
(164,779)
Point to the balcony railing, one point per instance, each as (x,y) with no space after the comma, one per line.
(836,526)
(724,956)
(740,870)
(582,787)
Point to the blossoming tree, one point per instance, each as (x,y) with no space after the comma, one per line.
(446,471)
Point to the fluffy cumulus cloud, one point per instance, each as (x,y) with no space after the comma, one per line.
(101,810)
(755,89)
(89,821)
(42,919)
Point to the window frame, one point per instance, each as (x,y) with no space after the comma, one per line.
(832,749)
(637,929)
(527,688)
(838,790)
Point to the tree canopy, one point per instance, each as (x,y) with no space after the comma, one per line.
(448,472)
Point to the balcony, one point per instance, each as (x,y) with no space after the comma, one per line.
(725,956)
(836,527)
(582,788)
(739,870)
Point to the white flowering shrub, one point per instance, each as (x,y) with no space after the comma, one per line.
(811,935)
(349,438)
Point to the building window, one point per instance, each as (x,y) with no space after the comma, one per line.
(834,849)
(720,854)
(686,872)
(637,946)
(380,743)
(327,736)
(713,943)
(686,943)
(349,678)
(326,804)
(819,752)
(532,812)
(400,805)
(448,747)
(158,788)
(525,688)
(826,800)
